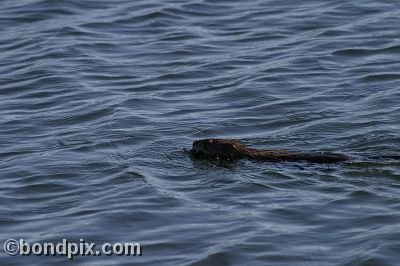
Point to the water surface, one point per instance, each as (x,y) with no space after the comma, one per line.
(99,99)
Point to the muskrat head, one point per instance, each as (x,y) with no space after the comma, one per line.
(217,149)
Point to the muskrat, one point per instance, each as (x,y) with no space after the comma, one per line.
(232,150)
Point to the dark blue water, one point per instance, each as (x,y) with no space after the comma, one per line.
(99,99)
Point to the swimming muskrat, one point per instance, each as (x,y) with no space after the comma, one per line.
(232,150)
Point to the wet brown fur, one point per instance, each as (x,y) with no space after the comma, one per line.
(232,150)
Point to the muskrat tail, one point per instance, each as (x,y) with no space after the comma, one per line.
(384,156)
(325,158)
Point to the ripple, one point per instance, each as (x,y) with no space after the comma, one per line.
(380,77)
(99,99)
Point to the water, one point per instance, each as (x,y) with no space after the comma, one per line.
(99,99)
